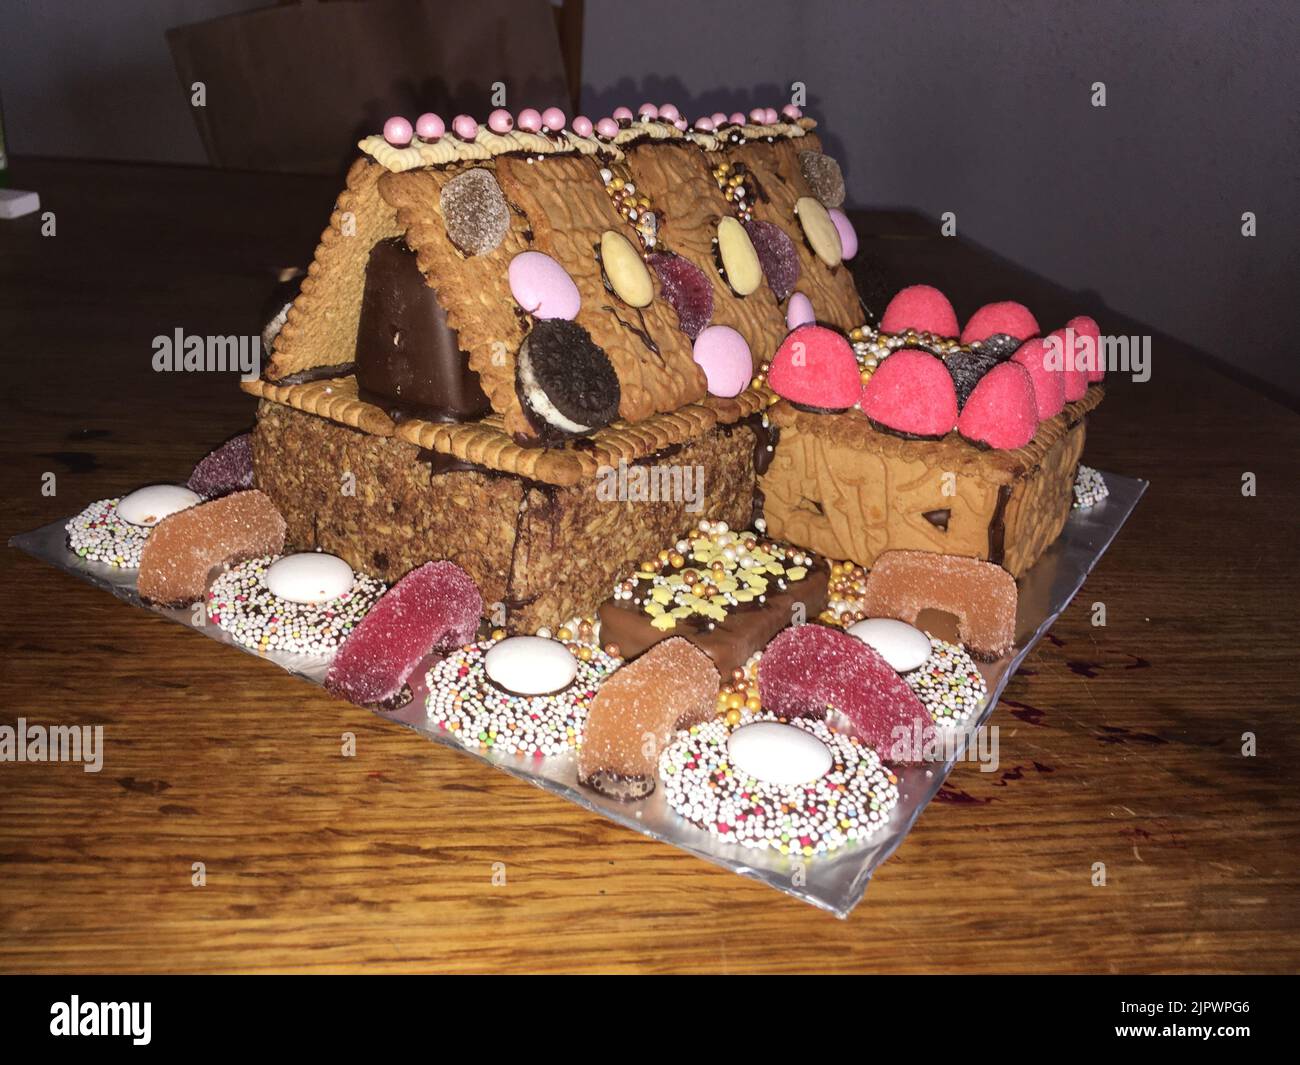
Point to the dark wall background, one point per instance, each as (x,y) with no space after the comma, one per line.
(982,109)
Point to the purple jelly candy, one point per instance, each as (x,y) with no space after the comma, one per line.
(227,469)
(687,289)
(777,255)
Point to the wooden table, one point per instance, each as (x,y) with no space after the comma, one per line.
(1119,745)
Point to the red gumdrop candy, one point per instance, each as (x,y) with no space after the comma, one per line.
(228,469)
(1048,384)
(911,392)
(686,289)
(435,607)
(920,307)
(1088,351)
(815,367)
(1076,380)
(808,668)
(1001,411)
(1007,317)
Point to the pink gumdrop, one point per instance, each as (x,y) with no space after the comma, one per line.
(397,131)
(623,114)
(430,127)
(848,235)
(1001,412)
(669,112)
(718,118)
(582,126)
(799,311)
(501,121)
(648,112)
(791,112)
(542,287)
(464,127)
(1087,346)
(704,125)
(607,128)
(737,118)
(770,116)
(724,356)
(530,119)
(553,119)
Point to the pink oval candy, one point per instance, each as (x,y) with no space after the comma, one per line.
(607,128)
(799,311)
(582,126)
(724,357)
(397,131)
(848,235)
(542,287)
(669,112)
(648,112)
(704,125)
(530,119)
(622,114)
(791,112)
(553,119)
(501,121)
(464,127)
(430,127)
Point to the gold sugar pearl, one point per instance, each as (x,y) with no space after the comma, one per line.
(613,650)
(732,718)
(676,561)
(498,634)
(564,634)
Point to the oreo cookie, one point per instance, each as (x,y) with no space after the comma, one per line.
(966,369)
(999,346)
(565,383)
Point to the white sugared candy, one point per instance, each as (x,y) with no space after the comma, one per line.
(778,754)
(530,665)
(903,646)
(148,506)
(309,577)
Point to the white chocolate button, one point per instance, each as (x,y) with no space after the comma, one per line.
(530,665)
(822,235)
(739,259)
(903,646)
(148,506)
(778,754)
(627,272)
(310,577)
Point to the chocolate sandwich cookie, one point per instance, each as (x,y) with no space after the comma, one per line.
(565,383)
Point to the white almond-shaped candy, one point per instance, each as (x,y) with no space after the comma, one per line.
(739,259)
(310,577)
(903,646)
(148,506)
(627,272)
(823,237)
(530,665)
(779,754)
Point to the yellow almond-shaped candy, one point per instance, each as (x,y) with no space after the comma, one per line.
(626,270)
(822,235)
(739,259)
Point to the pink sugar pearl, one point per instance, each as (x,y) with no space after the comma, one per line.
(648,111)
(756,116)
(737,118)
(607,128)
(769,116)
(553,119)
(397,131)
(791,112)
(464,127)
(669,112)
(623,114)
(501,121)
(582,126)
(680,123)
(704,125)
(530,119)
(429,126)
(718,118)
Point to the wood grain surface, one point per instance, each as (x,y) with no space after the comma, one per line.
(1119,744)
